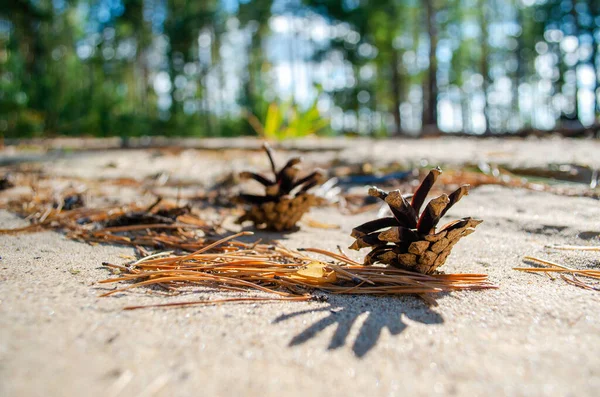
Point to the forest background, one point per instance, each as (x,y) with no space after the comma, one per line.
(296,67)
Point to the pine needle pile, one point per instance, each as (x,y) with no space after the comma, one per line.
(161,225)
(286,196)
(408,240)
(283,273)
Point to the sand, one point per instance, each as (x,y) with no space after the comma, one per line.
(531,336)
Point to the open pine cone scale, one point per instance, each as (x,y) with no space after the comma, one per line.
(409,240)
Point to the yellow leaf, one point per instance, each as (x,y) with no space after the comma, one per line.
(316,272)
(273,122)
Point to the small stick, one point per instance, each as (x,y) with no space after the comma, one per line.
(546,262)
(349,274)
(574,247)
(131,228)
(559,270)
(217,243)
(332,255)
(146,258)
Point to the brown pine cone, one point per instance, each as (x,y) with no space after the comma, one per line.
(407,240)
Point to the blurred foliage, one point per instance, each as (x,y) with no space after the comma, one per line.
(288,120)
(177,67)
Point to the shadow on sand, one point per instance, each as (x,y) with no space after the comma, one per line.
(265,235)
(382,312)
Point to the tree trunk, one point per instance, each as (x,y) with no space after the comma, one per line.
(396,93)
(430,87)
(484,64)
(594,7)
(574,14)
(520,71)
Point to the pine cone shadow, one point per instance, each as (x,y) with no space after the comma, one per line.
(382,312)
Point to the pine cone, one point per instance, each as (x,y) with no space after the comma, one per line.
(286,197)
(410,241)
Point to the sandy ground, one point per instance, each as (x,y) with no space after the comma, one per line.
(531,336)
